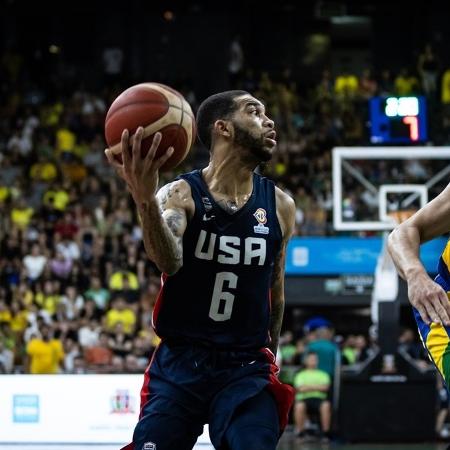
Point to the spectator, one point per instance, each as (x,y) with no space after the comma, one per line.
(34,263)
(428,68)
(46,353)
(97,293)
(6,359)
(89,333)
(312,385)
(99,356)
(120,313)
(321,343)
(405,83)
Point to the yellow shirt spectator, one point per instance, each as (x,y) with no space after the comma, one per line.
(445,87)
(65,140)
(48,302)
(43,171)
(346,85)
(19,321)
(58,198)
(4,193)
(116,280)
(45,355)
(126,316)
(5,316)
(21,217)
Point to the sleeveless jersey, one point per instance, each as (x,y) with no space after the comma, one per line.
(221,294)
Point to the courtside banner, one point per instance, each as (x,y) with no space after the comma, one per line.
(70,408)
(336,255)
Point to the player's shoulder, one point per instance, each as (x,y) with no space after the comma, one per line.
(176,194)
(285,211)
(284,200)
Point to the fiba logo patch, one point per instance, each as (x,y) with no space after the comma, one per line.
(149,446)
(261,216)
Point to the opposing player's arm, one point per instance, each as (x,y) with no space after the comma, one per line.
(286,217)
(163,224)
(429,222)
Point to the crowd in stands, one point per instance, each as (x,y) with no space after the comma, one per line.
(76,287)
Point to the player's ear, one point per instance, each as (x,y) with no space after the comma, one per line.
(222,128)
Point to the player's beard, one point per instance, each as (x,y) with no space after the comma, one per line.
(244,139)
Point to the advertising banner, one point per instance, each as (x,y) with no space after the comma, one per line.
(76,409)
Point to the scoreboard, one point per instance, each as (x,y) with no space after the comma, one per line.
(398,120)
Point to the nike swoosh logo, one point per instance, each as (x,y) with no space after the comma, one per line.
(206,218)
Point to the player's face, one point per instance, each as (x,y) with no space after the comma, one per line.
(253,130)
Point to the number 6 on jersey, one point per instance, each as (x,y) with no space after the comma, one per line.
(220,295)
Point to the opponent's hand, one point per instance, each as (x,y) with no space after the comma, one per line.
(429,299)
(140,174)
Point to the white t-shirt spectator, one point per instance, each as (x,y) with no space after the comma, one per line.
(88,337)
(34,265)
(69,249)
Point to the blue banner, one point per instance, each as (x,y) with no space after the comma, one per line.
(335,255)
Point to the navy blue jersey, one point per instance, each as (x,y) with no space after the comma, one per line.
(221,295)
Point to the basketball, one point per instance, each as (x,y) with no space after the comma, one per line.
(155,107)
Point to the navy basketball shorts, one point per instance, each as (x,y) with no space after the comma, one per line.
(235,392)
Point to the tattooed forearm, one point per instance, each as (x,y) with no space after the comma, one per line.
(276,319)
(277,304)
(162,241)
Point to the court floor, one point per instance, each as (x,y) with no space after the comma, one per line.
(287,443)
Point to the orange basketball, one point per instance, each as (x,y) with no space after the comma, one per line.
(155,107)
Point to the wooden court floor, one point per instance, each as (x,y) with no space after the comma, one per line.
(287,443)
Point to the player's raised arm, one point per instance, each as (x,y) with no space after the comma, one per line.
(163,215)
(429,222)
(286,217)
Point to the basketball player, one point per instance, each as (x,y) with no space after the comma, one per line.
(219,237)
(430,299)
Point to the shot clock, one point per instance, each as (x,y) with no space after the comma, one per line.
(398,120)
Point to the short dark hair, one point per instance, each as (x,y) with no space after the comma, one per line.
(215,107)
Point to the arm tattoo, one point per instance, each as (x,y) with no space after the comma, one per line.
(277,307)
(162,241)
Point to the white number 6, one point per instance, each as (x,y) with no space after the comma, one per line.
(219,295)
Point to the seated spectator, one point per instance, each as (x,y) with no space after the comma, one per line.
(405,83)
(100,355)
(287,347)
(73,301)
(312,385)
(120,313)
(6,359)
(67,227)
(45,353)
(21,214)
(321,343)
(61,266)
(367,85)
(56,198)
(119,342)
(19,317)
(43,170)
(116,281)
(97,293)
(5,313)
(89,333)
(49,298)
(34,263)
(68,247)
(346,85)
